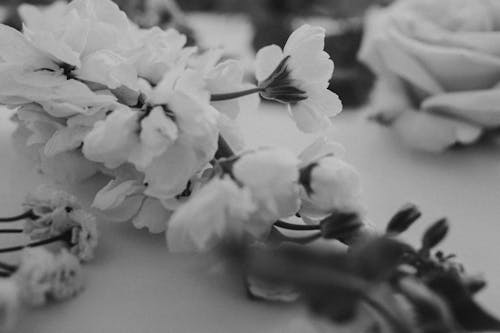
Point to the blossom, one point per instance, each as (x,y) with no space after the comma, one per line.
(43,275)
(9,304)
(272,176)
(129,135)
(51,208)
(298,75)
(86,35)
(84,234)
(186,97)
(34,275)
(53,143)
(219,209)
(29,75)
(154,52)
(437,64)
(329,184)
(67,279)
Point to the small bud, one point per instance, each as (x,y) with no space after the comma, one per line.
(340,225)
(403,219)
(435,234)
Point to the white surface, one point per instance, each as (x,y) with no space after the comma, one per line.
(134,285)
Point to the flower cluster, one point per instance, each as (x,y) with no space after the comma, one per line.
(383,284)
(247,194)
(94,93)
(55,213)
(41,276)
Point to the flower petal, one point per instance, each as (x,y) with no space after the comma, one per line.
(152,216)
(481,107)
(267,59)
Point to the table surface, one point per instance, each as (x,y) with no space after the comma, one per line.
(135,285)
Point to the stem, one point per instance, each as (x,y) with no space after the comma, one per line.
(63,237)
(7,267)
(11,231)
(303,240)
(26,215)
(233,95)
(293,226)
(223,150)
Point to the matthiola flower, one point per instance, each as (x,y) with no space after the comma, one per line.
(42,276)
(52,142)
(51,209)
(188,100)
(67,280)
(9,304)
(83,234)
(128,135)
(34,275)
(328,183)
(298,75)
(86,36)
(272,176)
(154,52)
(29,75)
(219,209)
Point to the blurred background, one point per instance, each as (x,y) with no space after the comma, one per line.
(242,27)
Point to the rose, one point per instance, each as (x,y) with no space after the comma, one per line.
(439,69)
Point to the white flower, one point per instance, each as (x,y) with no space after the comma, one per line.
(84,234)
(156,52)
(152,215)
(71,136)
(67,279)
(9,304)
(298,75)
(86,35)
(186,97)
(272,176)
(225,77)
(329,184)
(29,75)
(34,275)
(219,209)
(51,208)
(111,139)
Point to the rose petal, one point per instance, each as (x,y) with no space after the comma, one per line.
(480,107)
(433,133)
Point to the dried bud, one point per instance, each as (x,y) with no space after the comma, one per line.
(435,234)
(403,219)
(340,225)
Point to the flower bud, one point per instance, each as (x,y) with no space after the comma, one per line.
(403,219)
(329,184)
(435,234)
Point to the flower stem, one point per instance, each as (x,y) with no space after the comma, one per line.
(7,267)
(233,95)
(11,231)
(26,215)
(302,240)
(293,226)
(66,237)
